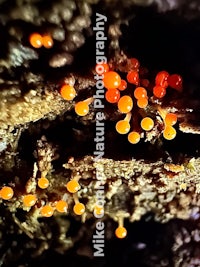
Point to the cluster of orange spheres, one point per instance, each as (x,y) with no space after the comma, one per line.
(114,84)
(61,206)
(29,200)
(37,40)
(115,87)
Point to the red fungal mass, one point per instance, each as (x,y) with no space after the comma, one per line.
(133,77)
(159,91)
(161,79)
(175,81)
